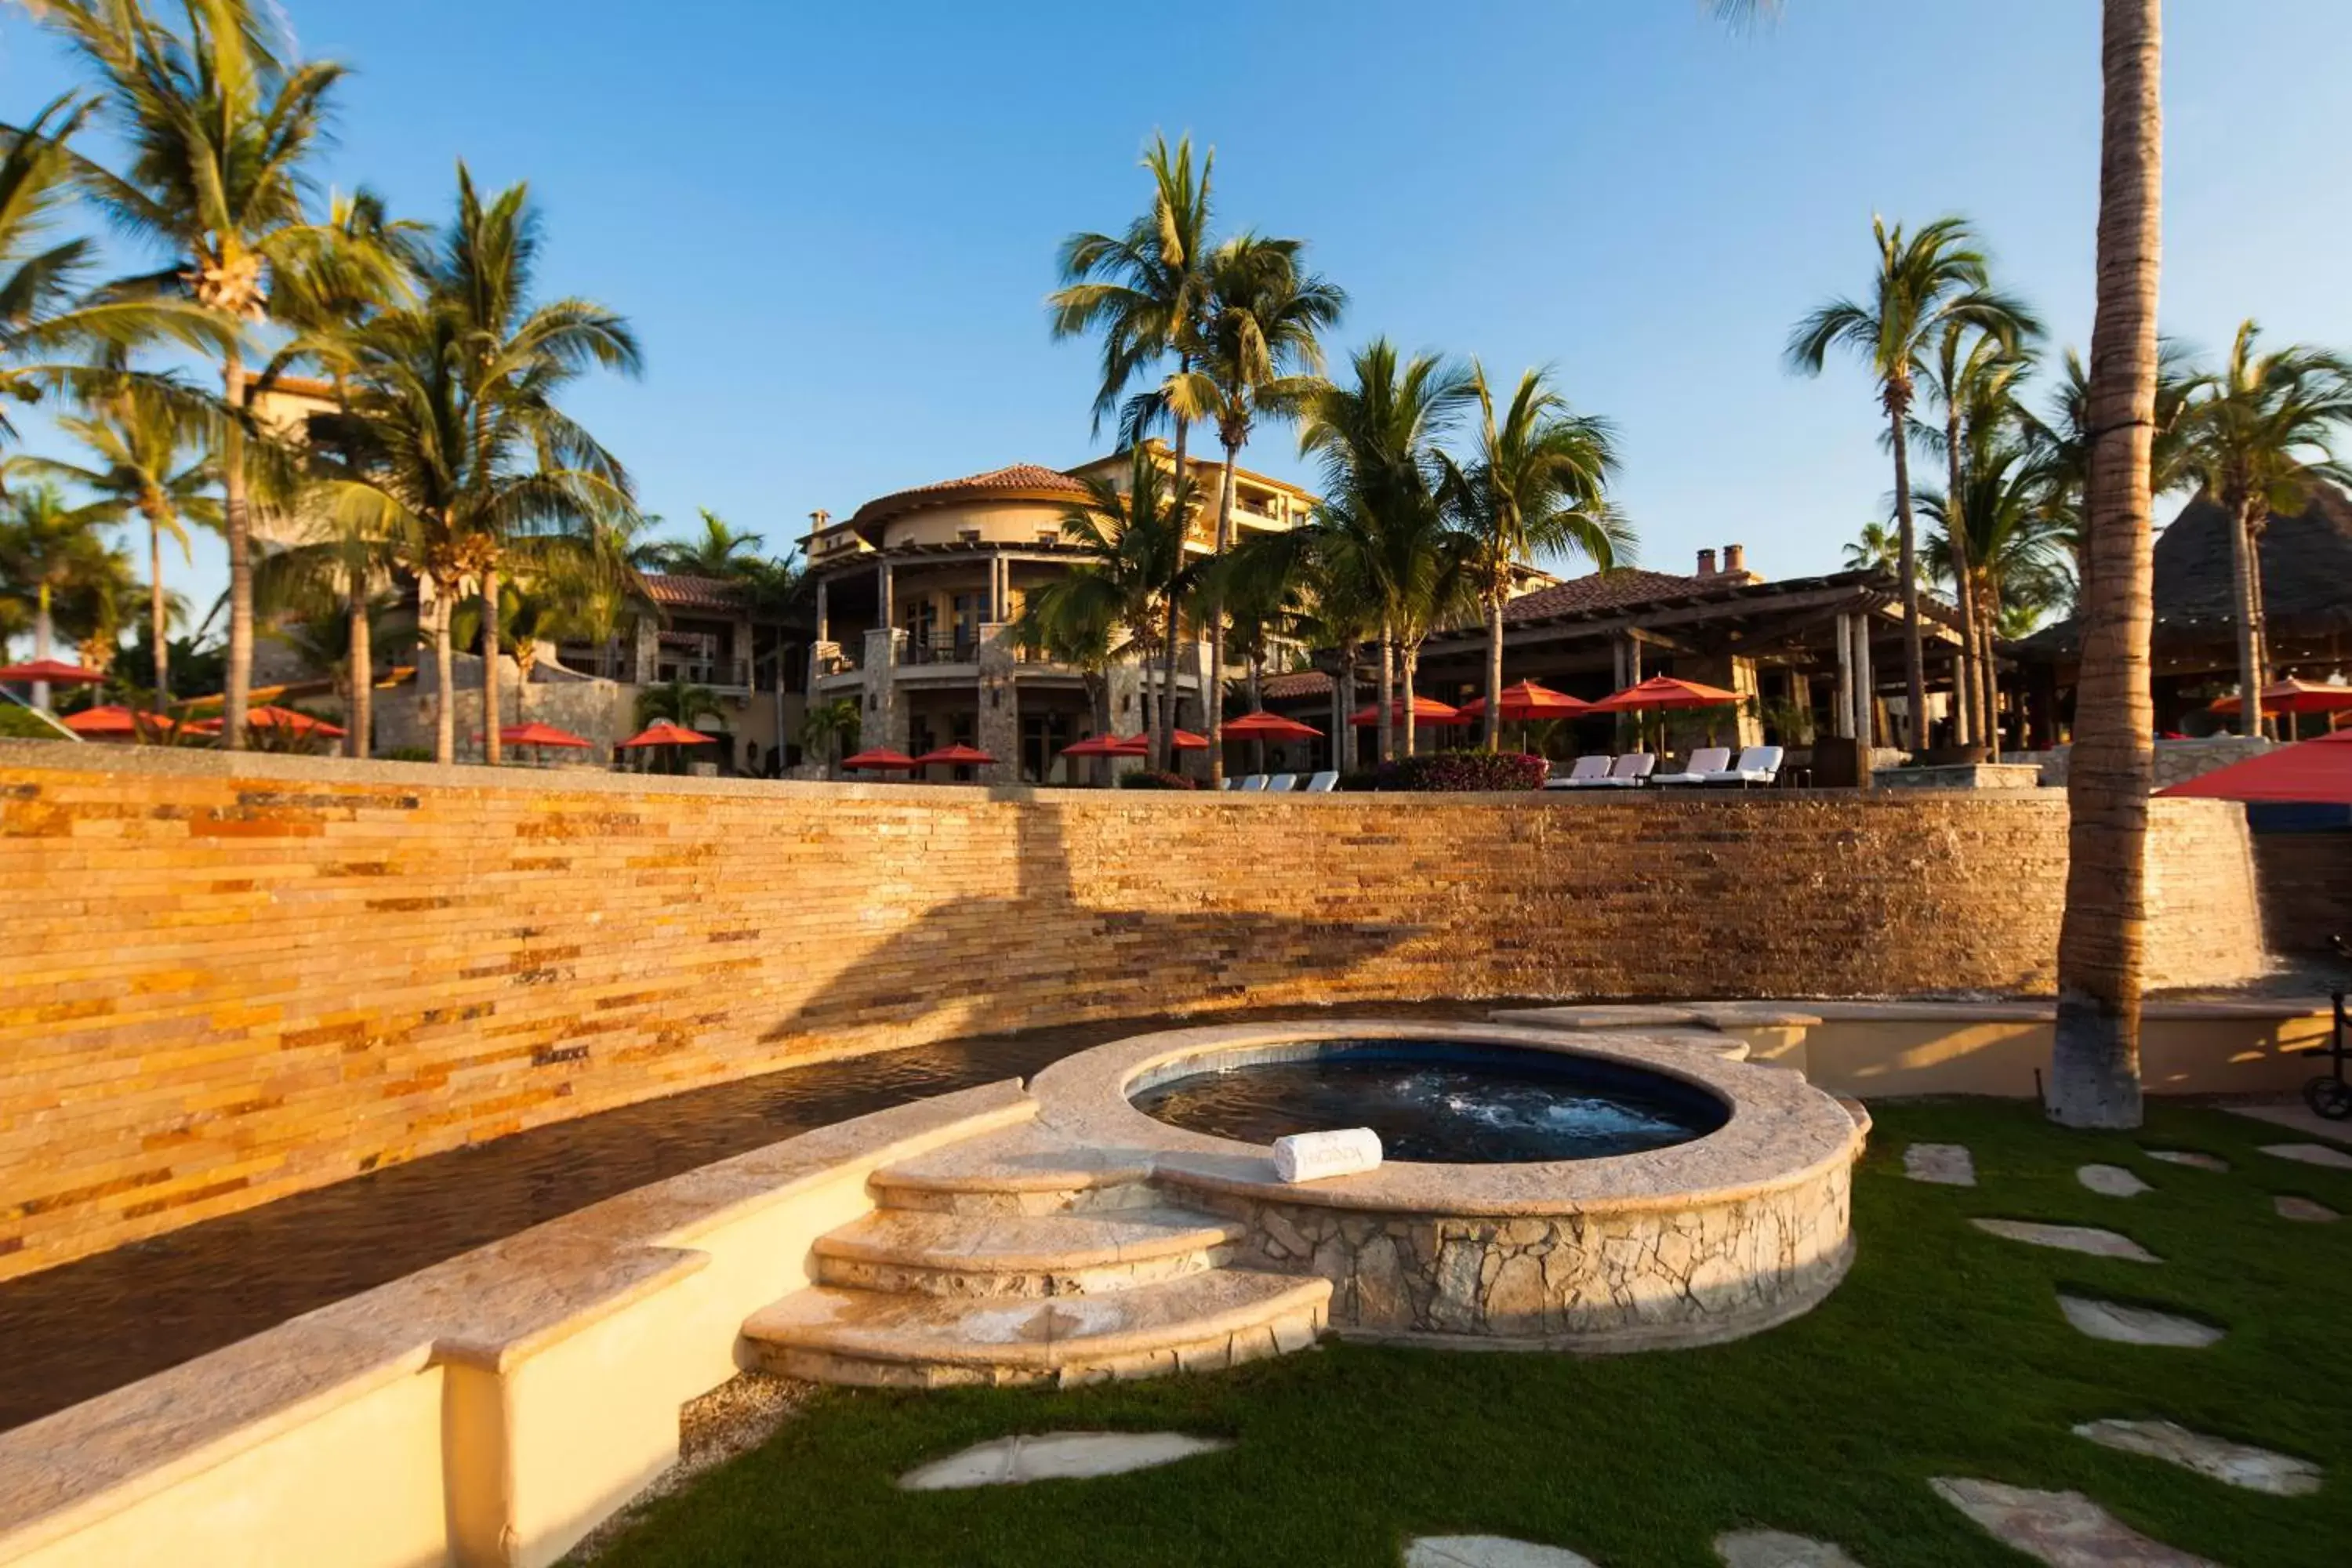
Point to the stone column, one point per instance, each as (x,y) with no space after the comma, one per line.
(1865,694)
(885,719)
(998,733)
(1843,709)
(887,614)
(647,654)
(824,617)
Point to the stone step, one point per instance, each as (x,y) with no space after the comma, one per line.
(1022,1170)
(1197,1322)
(913,1250)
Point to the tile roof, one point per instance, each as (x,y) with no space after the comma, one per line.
(1605,591)
(1300,683)
(674,592)
(1014,478)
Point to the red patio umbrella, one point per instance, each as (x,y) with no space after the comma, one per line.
(1092,746)
(955,756)
(113,721)
(1529,699)
(662,733)
(1134,745)
(538,734)
(49,671)
(1663,691)
(271,717)
(2313,771)
(879,760)
(1268,727)
(2295,697)
(1425,710)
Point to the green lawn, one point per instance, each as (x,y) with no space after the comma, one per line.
(1943,1354)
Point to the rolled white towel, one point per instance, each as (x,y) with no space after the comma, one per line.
(1311,1156)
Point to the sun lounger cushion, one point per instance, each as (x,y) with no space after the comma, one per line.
(1323,782)
(1587,772)
(1281,783)
(1631,770)
(1254,783)
(1757,764)
(1704,764)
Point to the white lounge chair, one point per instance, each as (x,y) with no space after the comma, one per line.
(1254,783)
(1232,781)
(1323,782)
(1632,771)
(1282,784)
(1588,771)
(1706,765)
(1758,765)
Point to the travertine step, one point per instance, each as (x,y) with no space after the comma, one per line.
(913,1250)
(1022,1171)
(1197,1322)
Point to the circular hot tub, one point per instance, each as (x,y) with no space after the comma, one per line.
(1580,1190)
(1449,1102)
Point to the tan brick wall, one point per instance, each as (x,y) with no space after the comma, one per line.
(231,979)
(2306,890)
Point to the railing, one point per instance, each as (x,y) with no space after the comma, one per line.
(721,674)
(956,649)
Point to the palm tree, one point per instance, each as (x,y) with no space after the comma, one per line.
(1384,519)
(2257,436)
(1875,549)
(49,548)
(316,622)
(1147,292)
(1926,282)
(222,124)
(455,447)
(829,729)
(1536,490)
(1133,541)
(45,312)
(720,552)
(681,702)
(2102,942)
(2000,544)
(149,462)
(1261,355)
(1262,585)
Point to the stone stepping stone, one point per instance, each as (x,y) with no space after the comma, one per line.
(2085,1238)
(2231,1464)
(1488,1551)
(1055,1456)
(2311,1155)
(2136,1325)
(2112,1181)
(2065,1529)
(1778,1548)
(2190,1158)
(2292,1207)
(1944,1164)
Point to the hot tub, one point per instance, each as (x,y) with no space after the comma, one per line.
(1685,1197)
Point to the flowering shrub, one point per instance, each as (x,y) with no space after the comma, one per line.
(1148,780)
(1457,772)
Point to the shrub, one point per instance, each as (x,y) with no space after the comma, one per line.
(1359,780)
(1148,780)
(1455,772)
(405,755)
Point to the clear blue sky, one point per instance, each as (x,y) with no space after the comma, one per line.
(834,225)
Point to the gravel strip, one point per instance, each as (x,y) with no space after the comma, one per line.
(733,1418)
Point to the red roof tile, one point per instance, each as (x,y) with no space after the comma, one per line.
(1300,683)
(1602,590)
(678,593)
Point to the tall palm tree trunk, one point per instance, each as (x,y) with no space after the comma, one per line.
(1898,404)
(1344,753)
(2257,525)
(493,753)
(361,717)
(445,715)
(157,623)
(237,531)
(44,634)
(1385,734)
(1989,604)
(1494,715)
(2241,584)
(1213,712)
(1963,580)
(1163,740)
(1411,661)
(2094,1063)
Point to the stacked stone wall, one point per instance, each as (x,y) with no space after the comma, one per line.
(230,979)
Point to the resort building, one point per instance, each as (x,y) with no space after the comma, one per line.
(915,594)
(2306,578)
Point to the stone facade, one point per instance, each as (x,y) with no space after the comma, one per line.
(1620,1279)
(2176,761)
(234,978)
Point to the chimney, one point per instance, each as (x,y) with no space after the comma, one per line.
(1707,562)
(1735,559)
(818,519)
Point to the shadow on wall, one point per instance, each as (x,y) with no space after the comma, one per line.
(1045,955)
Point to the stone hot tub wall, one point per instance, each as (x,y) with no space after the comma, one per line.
(229,979)
(1697,1272)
